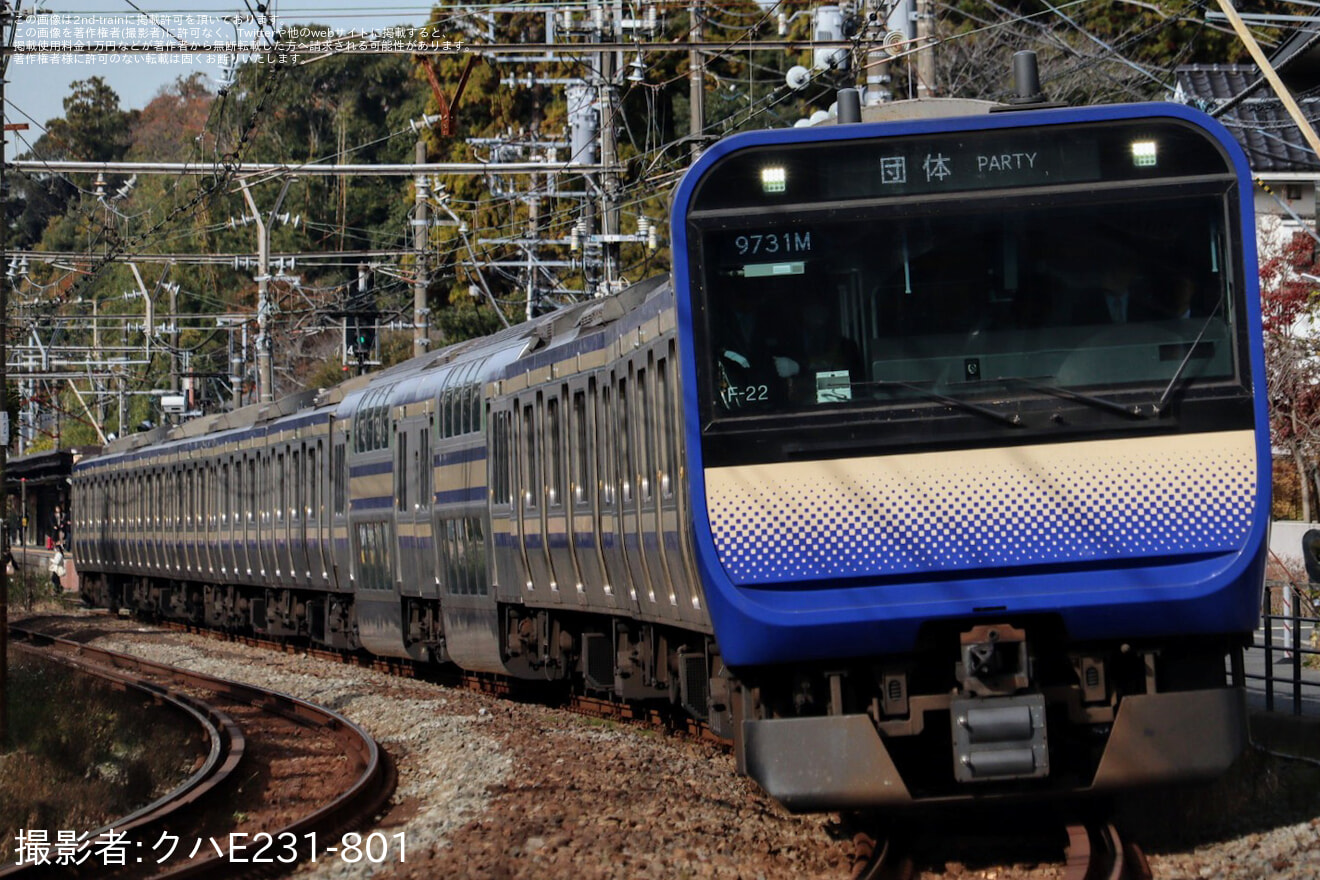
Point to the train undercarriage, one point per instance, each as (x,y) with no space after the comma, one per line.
(1006,710)
(609,657)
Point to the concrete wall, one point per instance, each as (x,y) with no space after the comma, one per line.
(1286,543)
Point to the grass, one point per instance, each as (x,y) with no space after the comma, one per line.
(81,754)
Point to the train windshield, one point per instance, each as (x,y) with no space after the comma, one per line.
(1003,306)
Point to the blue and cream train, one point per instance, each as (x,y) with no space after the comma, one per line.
(937,470)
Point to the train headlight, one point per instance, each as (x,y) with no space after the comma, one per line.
(774,179)
(1143,154)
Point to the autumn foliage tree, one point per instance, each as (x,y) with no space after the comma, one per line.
(1290,264)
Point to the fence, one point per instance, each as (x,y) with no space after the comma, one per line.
(1288,649)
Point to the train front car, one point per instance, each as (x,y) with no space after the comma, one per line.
(978,449)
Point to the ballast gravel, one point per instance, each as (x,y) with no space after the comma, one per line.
(490,788)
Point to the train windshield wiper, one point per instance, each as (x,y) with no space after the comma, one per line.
(1013,420)
(1131,412)
(1187,358)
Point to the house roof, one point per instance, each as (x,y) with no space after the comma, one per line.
(1260,123)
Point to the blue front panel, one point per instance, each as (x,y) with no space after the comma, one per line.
(1122,538)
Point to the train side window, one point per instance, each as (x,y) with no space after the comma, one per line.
(312,458)
(252,488)
(282,499)
(625,441)
(425,477)
(295,473)
(401,472)
(337,479)
(531,479)
(665,426)
(447,556)
(478,554)
(578,448)
(554,450)
(605,427)
(644,424)
(500,459)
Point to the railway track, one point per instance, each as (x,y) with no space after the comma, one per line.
(1088,854)
(582,704)
(189,812)
(1094,851)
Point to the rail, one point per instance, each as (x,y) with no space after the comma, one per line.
(369,793)
(225,753)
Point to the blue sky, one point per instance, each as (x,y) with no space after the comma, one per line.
(35,91)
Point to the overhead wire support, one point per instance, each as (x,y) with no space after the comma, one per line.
(43,166)
(1285,96)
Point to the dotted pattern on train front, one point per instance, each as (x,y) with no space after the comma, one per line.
(951,511)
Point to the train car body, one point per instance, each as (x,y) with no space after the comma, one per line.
(979,448)
(980,544)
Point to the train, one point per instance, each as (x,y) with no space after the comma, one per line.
(936,471)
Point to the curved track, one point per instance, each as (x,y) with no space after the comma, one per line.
(353,808)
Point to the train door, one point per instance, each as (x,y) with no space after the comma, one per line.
(277,537)
(559,533)
(659,591)
(224,535)
(187,515)
(421,501)
(531,523)
(301,492)
(206,483)
(675,518)
(318,569)
(509,566)
(339,543)
(406,449)
(628,450)
(582,496)
(266,491)
(610,523)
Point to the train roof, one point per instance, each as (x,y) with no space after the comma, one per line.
(475,361)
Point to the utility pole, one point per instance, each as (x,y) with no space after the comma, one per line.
(421,237)
(5,13)
(609,152)
(925,49)
(265,372)
(696,83)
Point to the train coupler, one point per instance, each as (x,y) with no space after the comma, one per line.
(997,738)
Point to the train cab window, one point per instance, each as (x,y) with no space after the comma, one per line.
(1061,294)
